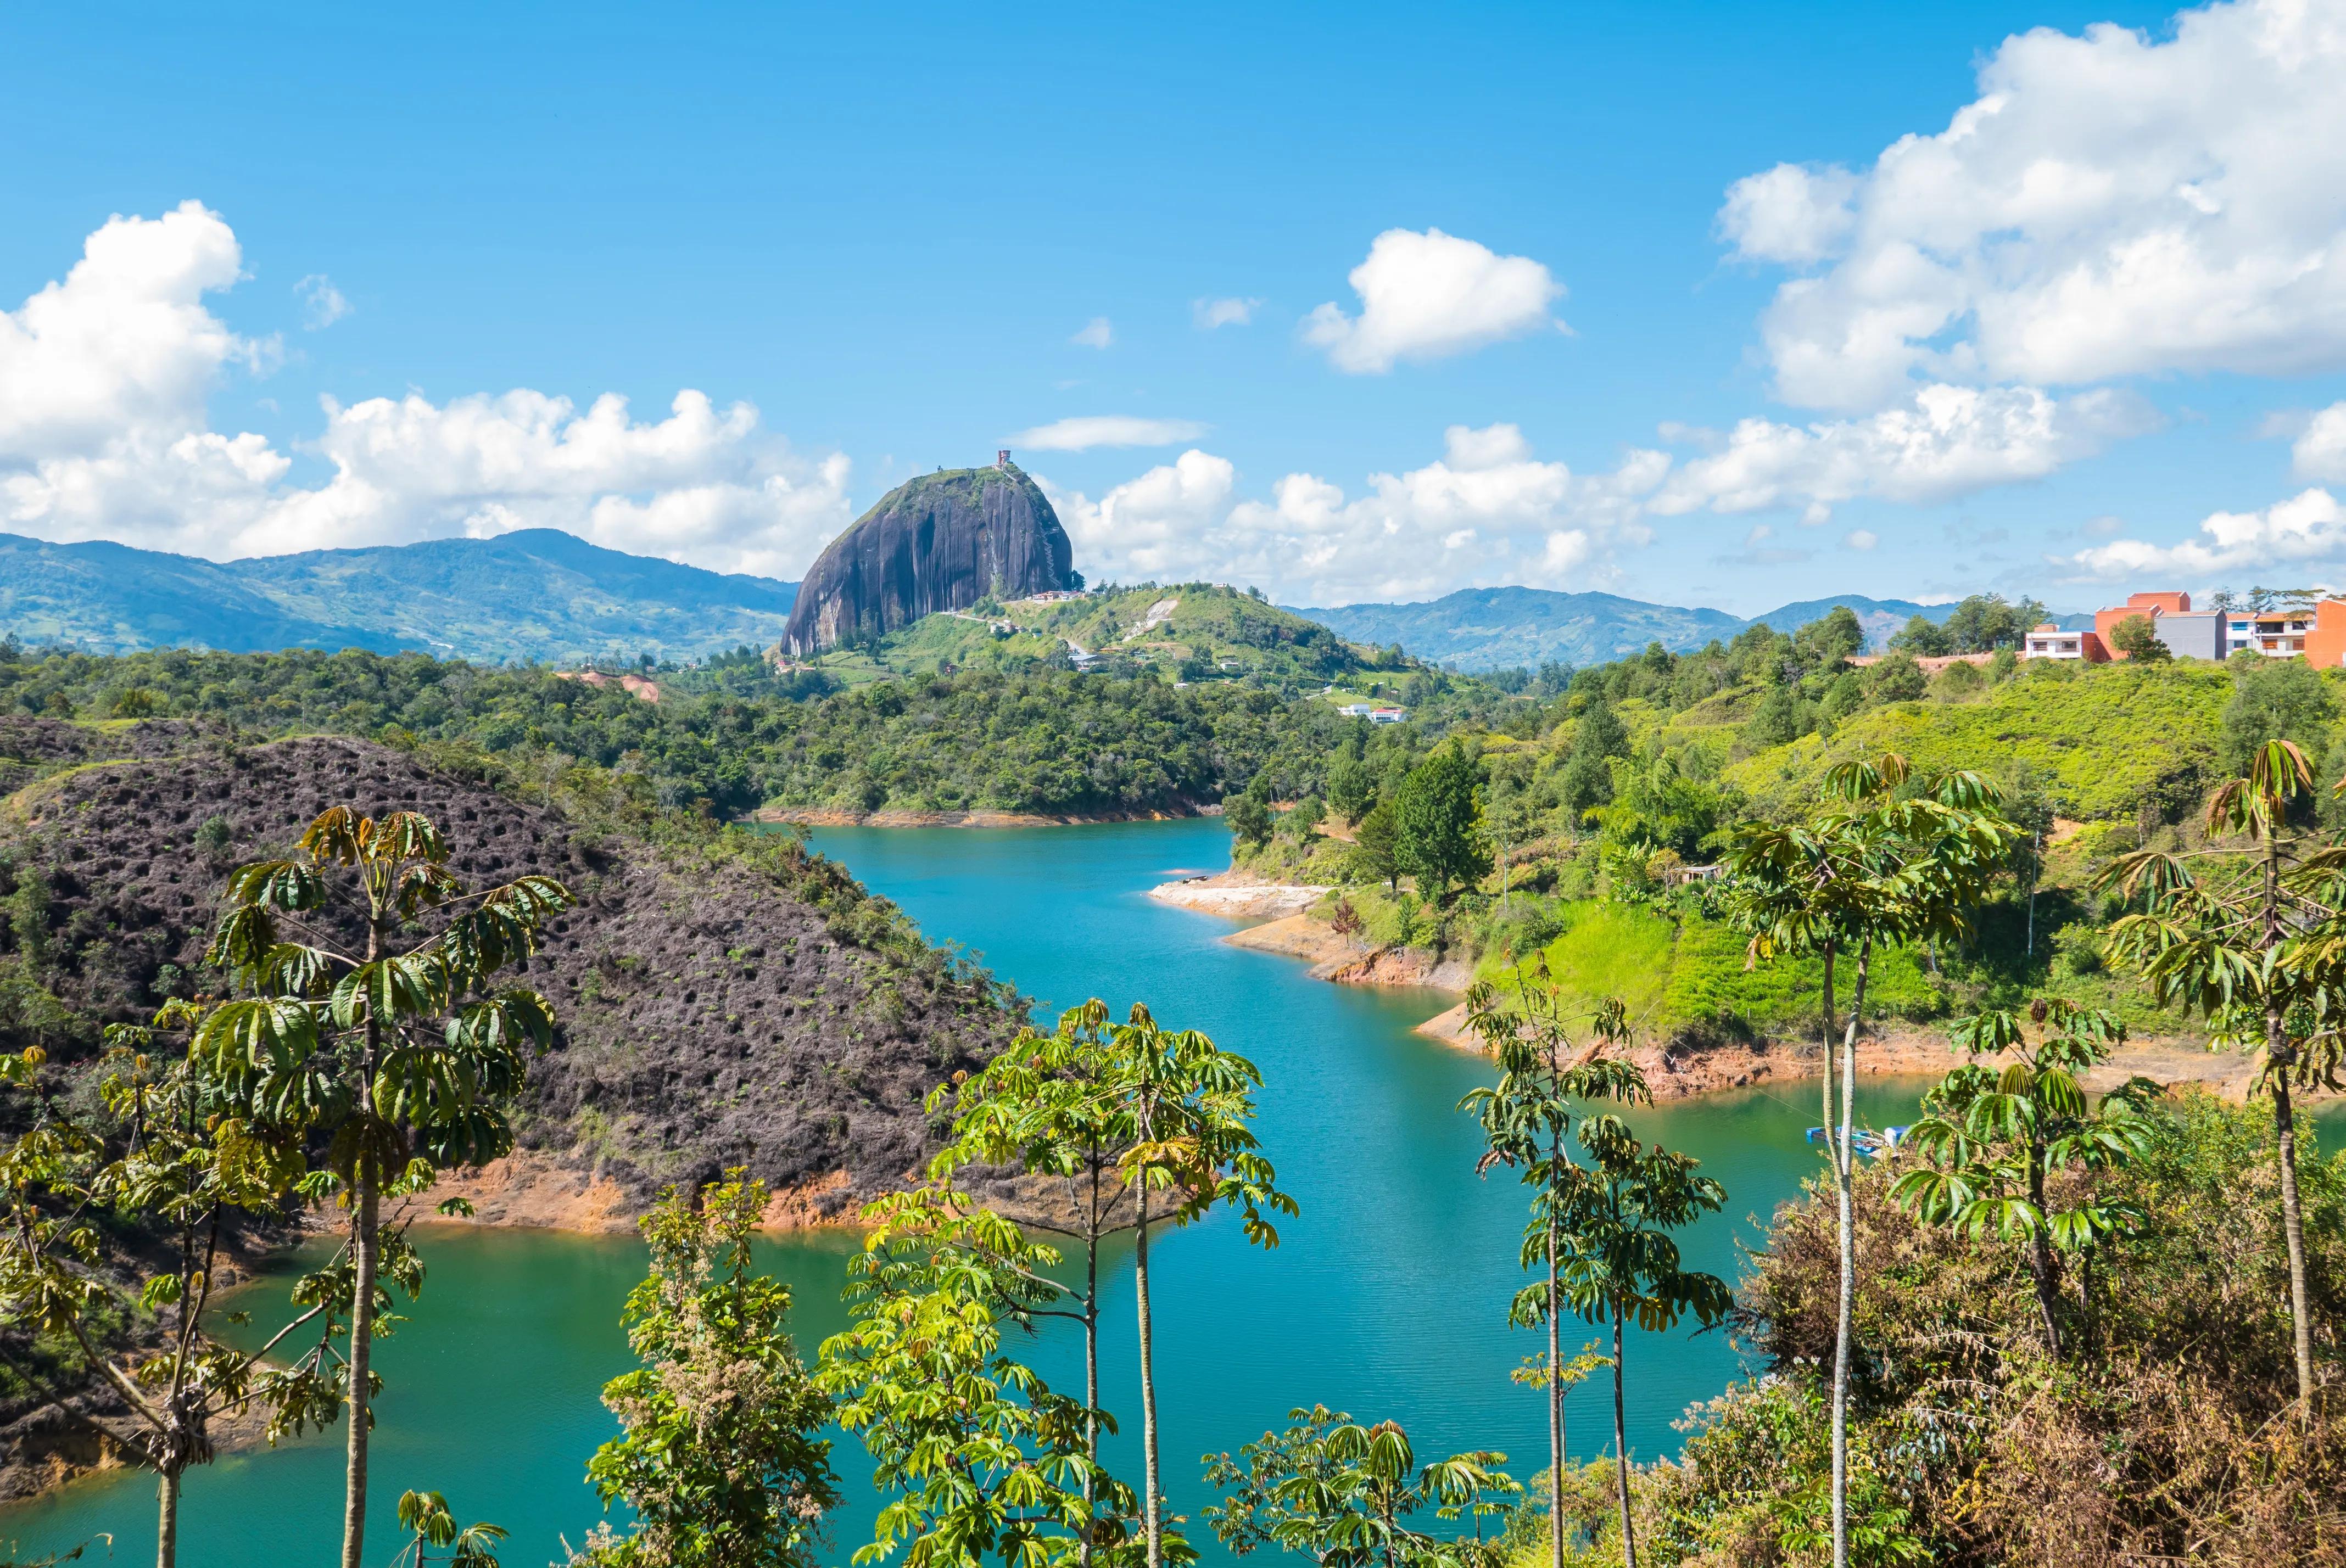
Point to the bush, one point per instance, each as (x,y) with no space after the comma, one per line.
(1897,678)
(1958,681)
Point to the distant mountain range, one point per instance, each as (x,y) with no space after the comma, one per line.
(537,594)
(543,594)
(1497,628)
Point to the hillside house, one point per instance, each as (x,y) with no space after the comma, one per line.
(2188,633)
(2049,641)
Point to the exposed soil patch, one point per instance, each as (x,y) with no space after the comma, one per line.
(1239,894)
(1675,1069)
(827,817)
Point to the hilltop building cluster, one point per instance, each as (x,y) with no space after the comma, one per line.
(2314,631)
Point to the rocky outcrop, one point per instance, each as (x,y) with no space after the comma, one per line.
(941,541)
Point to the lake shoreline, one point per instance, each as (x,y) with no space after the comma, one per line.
(1674,1069)
(836,817)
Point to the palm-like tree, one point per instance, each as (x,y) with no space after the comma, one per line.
(1996,1135)
(2251,934)
(403,1058)
(1527,1118)
(1343,1495)
(1050,1106)
(1894,857)
(1621,1264)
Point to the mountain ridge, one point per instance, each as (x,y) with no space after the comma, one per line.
(1496,628)
(533,594)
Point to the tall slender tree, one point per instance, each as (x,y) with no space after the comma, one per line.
(1894,858)
(1621,1264)
(397,1051)
(1193,1150)
(161,1156)
(2249,932)
(1052,1105)
(983,1458)
(1528,1117)
(1998,1137)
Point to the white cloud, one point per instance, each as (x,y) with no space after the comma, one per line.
(103,434)
(1486,511)
(2108,205)
(2320,450)
(1427,295)
(1860,539)
(1211,313)
(2308,526)
(1086,432)
(322,303)
(1789,213)
(1096,333)
(1943,442)
(123,349)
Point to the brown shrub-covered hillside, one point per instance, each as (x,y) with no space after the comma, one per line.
(720,1000)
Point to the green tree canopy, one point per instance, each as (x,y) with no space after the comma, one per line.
(718,1459)
(1438,816)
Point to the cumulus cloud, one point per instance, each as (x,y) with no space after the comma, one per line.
(1086,432)
(1096,333)
(2320,450)
(1487,511)
(2108,205)
(2308,526)
(103,434)
(322,303)
(1942,442)
(1431,295)
(1211,313)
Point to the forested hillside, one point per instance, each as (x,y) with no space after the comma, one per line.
(1188,632)
(1589,806)
(735,735)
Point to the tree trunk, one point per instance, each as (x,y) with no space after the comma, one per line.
(363,1248)
(1091,1366)
(1150,1525)
(1832,1028)
(2292,1224)
(167,1520)
(1844,1167)
(1621,1444)
(1555,1400)
(2043,1266)
(2281,1058)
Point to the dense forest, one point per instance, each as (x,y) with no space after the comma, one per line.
(735,735)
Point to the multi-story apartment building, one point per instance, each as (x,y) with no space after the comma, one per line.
(2317,633)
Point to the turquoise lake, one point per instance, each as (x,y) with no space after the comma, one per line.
(1387,1298)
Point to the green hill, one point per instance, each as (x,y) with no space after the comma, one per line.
(537,594)
(1191,632)
(2105,740)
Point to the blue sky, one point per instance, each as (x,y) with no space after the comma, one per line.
(883,231)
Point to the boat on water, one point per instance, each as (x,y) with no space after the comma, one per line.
(1866,1140)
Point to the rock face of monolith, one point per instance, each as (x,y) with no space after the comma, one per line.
(941,541)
